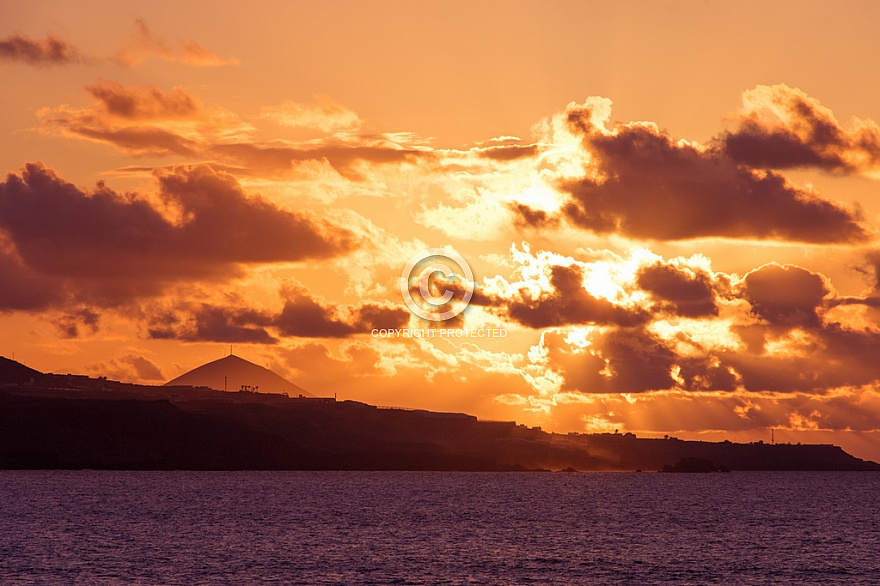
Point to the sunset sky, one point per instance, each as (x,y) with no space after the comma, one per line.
(672,208)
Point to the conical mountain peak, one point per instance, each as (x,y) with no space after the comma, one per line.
(233,373)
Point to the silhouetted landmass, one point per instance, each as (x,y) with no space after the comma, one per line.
(65,421)
(233,373)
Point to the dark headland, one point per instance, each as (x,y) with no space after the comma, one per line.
(50,421)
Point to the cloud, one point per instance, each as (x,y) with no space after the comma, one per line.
(304,317)
(642,183)
(325,115)
(142,45)
(814,361)
(59,230)
(780,127)
(23,288)
(642,324)
(207,322)
(130,367)
(145,44)
(526,217)
(569,303)
(602,288)
(786,294)
(344,158)
(45,52)
(312,361)
(507,152)
(232,321)
(631,360)
(144,120)
(144,102)
(71,320)
(679,290)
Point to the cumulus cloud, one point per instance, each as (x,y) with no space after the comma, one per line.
(786,294)
(569,303)
(58,229)
(642,324)
(44,52)
(207,322)
(144,44)
(630,360)
(781,127)
(25,289)
(130,367)
(642,183)
(638,360)
(679,289)
(627,291)
(813,361)
(304,317)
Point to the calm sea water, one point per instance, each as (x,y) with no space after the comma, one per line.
(93,527)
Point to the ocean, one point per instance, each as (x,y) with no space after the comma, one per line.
(351,528)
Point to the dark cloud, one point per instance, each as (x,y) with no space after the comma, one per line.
(526,216)
(141,141)
(48,51)
(70,322)
(127,368)
(304,317)
(145,102)
(633,360)
(782,127)
(60,230)
(144,120)
(212,323)
(793,346)
(568,304)
(682,292)
(22,288)
(786,295)
(145,369)
(653,187)
(828,357)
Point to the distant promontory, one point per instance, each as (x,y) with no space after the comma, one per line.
(50,421)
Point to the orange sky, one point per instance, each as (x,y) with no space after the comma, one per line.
(669,207)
